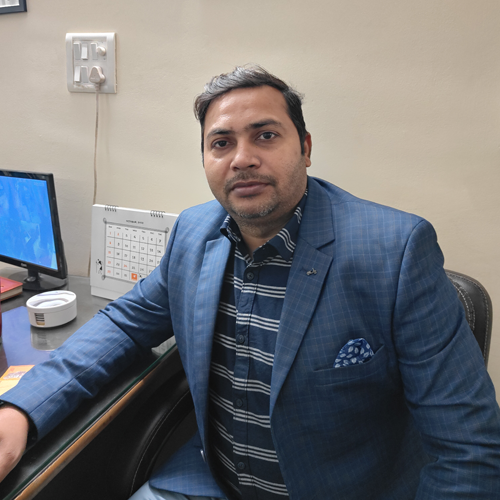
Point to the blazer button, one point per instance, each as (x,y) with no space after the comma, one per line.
(250,276)
(241,465)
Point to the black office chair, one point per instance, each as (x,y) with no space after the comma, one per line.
(478,309)
(161,427)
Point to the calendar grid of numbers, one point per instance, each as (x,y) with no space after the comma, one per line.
(127,245)
(132,253)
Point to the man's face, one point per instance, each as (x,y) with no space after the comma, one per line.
(252,156)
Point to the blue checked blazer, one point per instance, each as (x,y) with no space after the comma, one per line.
(418,421)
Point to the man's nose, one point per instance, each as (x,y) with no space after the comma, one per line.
(245,156)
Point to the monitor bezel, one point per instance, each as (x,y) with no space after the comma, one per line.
(61,272)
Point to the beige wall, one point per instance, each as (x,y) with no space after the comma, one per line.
(402,100)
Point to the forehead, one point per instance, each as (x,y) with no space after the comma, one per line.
(244,106)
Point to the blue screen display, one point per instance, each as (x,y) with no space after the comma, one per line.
(25,223)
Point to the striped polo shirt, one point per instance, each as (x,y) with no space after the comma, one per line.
(247,324)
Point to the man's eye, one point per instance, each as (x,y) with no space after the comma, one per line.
(220,144)
(267,135)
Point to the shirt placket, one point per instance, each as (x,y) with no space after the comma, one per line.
(245,302)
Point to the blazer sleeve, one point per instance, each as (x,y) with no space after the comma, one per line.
(97,352)
(447,387)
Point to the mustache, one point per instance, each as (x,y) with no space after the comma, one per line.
(248,177)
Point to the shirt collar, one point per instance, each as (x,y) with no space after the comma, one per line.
(284,242)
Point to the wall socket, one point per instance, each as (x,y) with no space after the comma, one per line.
(83,52)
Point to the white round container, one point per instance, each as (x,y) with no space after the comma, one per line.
(51,309)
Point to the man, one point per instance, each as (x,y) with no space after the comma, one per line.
(326,351)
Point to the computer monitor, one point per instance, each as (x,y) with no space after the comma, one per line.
(30,235)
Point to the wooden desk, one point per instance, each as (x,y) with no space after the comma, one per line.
(41,463)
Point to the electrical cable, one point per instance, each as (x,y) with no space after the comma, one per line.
(96,77)
(95,143)
(95,154)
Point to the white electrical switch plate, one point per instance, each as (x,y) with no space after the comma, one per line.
(83,52)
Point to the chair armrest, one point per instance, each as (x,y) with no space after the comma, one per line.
(136,454)
(478,308)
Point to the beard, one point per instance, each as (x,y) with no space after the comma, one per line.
(263,210)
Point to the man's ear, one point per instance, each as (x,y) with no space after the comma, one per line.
(308,149)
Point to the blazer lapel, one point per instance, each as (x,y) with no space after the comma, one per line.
(205,315)
(308,272)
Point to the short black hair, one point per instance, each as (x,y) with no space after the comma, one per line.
(247,77)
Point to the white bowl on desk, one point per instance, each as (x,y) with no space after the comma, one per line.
(49,309)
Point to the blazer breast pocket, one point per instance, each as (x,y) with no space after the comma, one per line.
(339,398)
(368,372)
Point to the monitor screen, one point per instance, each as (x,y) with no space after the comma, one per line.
(29,225)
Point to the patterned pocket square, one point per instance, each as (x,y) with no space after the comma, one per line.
(355,352)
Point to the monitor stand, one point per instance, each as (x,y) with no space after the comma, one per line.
(36,283)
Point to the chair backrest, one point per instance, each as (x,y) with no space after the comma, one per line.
(478,308)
